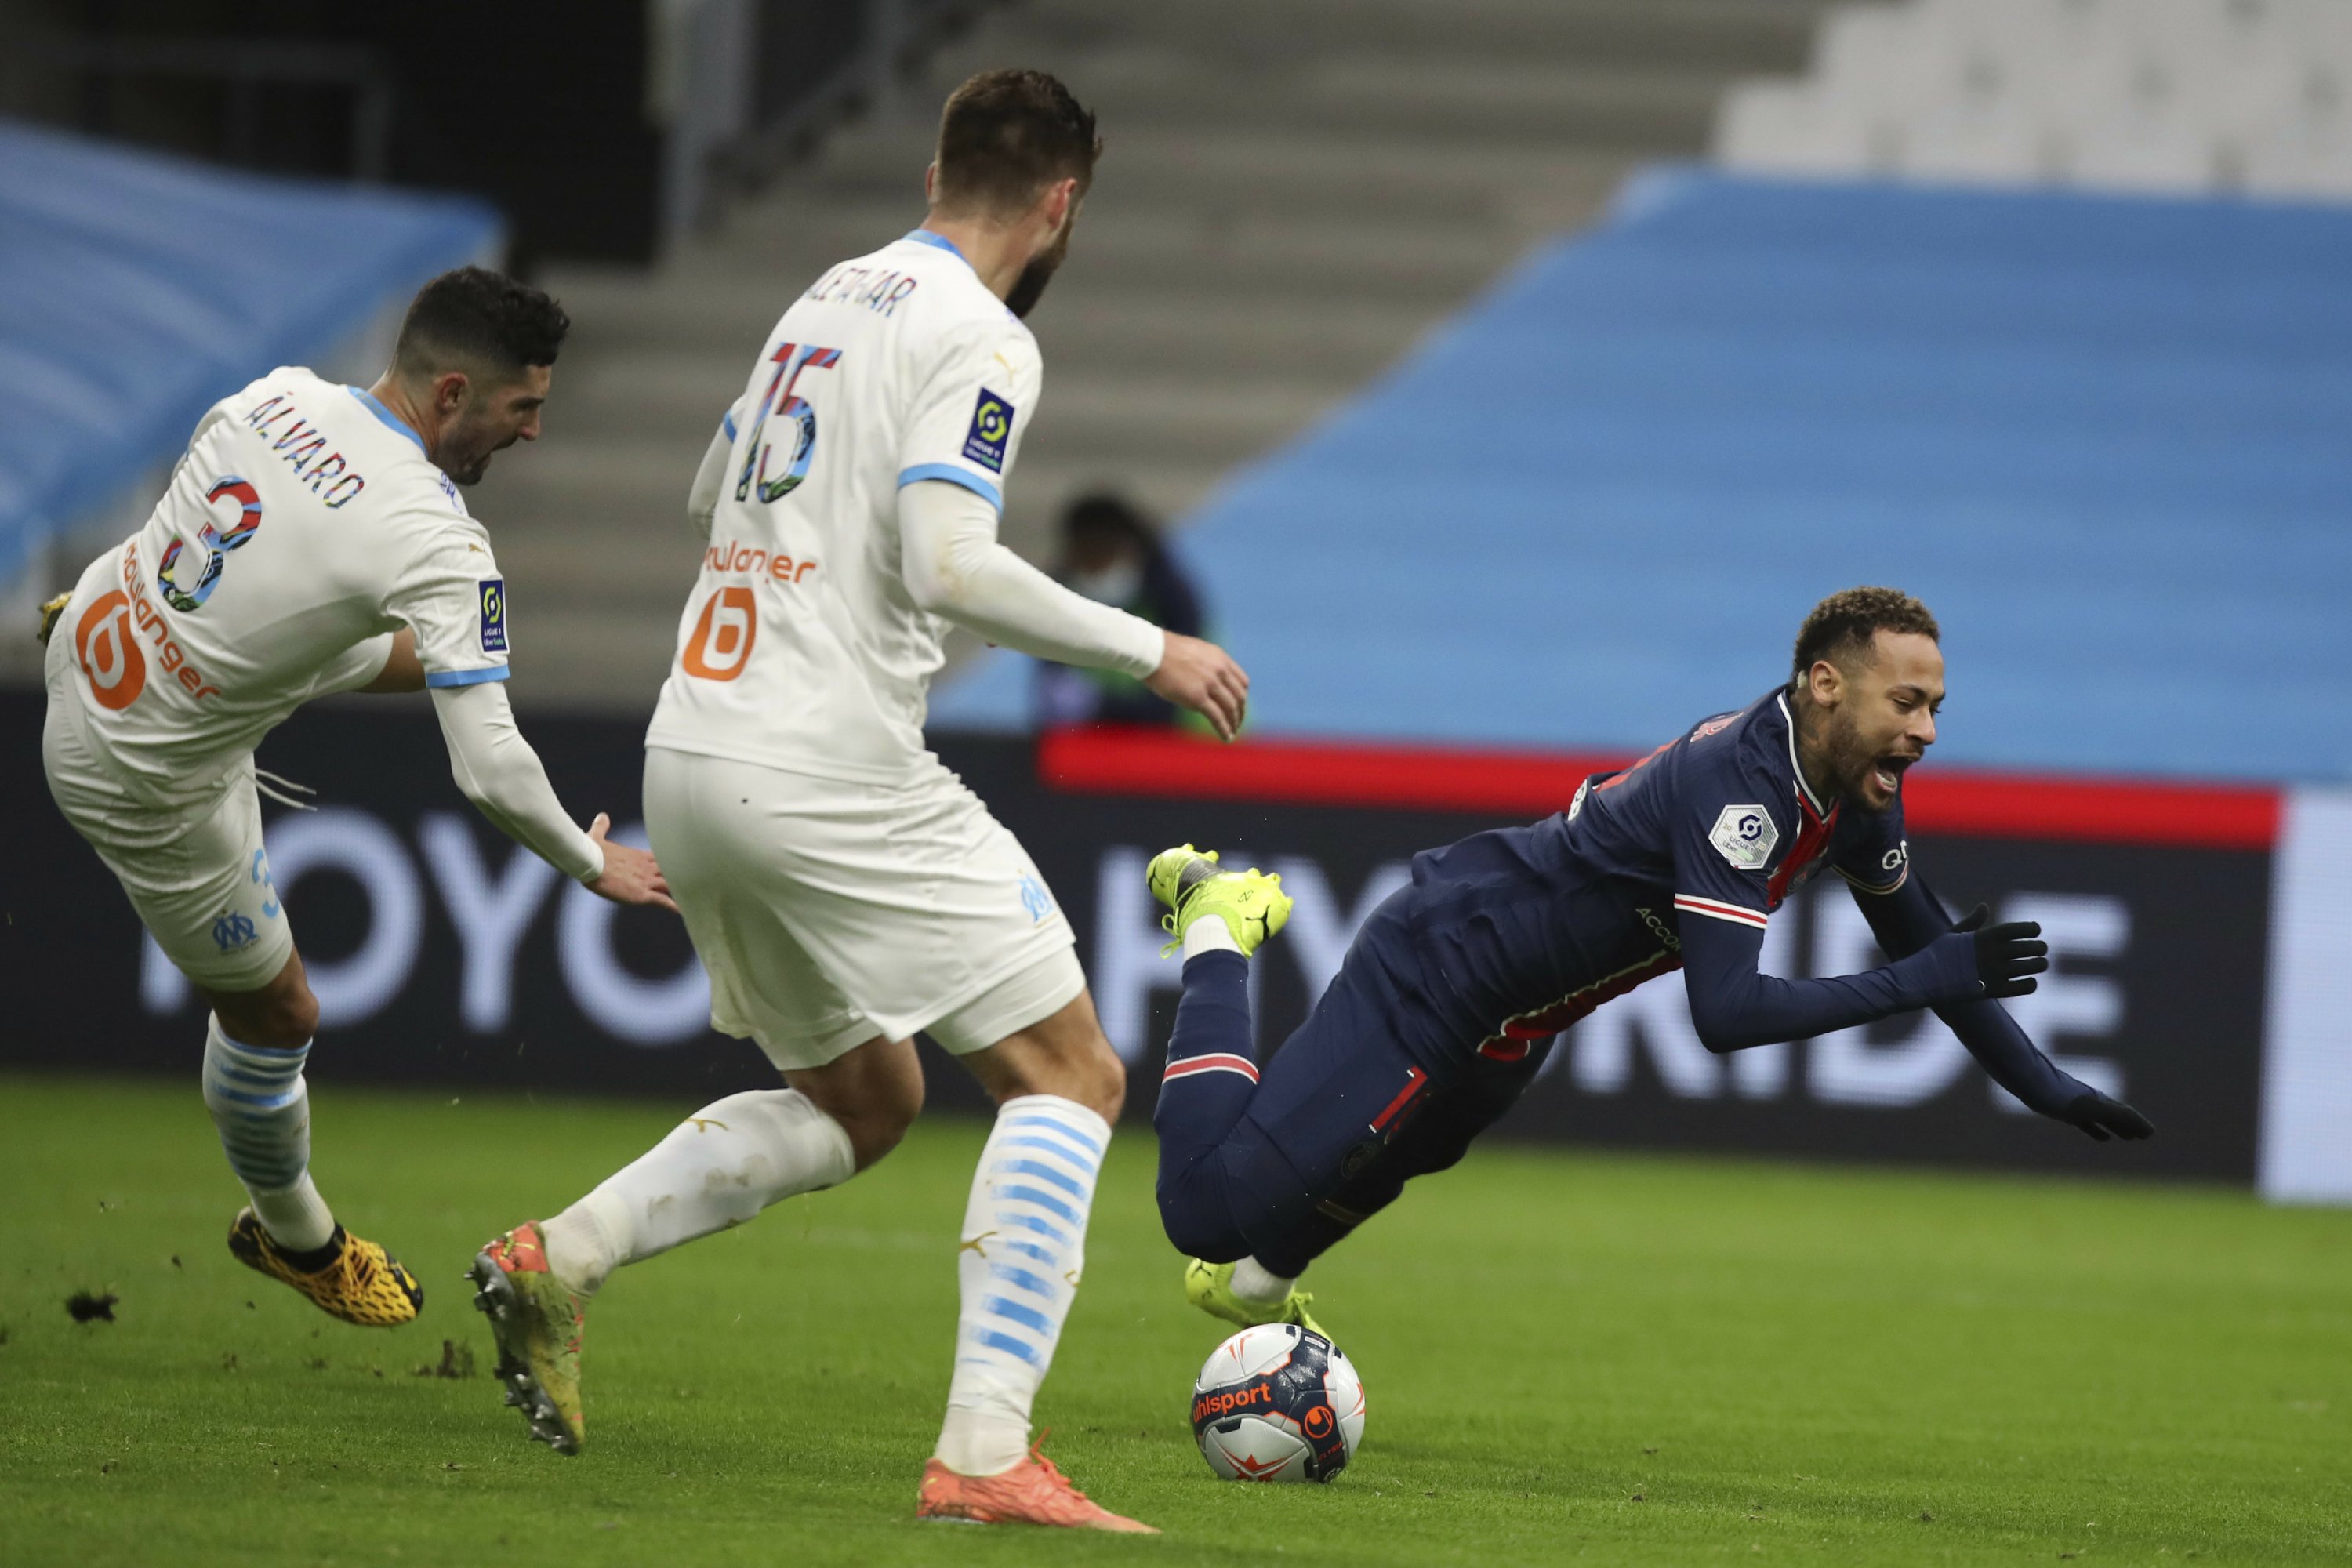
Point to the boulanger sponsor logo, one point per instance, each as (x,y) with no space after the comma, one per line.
(110,654)
(1745,835)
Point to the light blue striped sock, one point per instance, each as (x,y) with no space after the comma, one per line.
(1024,1241)
(262,1106)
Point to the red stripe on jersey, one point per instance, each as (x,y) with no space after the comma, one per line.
(1721,911)
(1214,1061)
(1813,836)
(1414,1079)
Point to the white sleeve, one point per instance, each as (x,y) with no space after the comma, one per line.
(702,500)
(955,567)
(501,773)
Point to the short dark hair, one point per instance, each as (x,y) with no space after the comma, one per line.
(1005,135)
(476,316)
(1844,624)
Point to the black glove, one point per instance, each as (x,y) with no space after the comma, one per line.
(2103,1117)
(2008,955)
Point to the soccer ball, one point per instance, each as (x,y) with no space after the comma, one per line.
(1278,1403)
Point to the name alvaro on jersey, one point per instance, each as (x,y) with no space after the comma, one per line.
(301,444)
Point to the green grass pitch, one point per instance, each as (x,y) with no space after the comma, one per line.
(1569,1356)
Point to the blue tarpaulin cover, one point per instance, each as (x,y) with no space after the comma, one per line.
(136,290)
(2109,441)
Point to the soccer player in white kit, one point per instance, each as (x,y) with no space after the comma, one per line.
(311,540)
(844,890)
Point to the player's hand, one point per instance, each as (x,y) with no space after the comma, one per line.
(2104,1117)
(631,876)
(2009,955)
(1202,677)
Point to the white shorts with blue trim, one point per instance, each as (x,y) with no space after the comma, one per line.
(197,875)
(828,913)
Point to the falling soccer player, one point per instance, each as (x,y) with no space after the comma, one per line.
(1451,994)
(311,540)
(843,889)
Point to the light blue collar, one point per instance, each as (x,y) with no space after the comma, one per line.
(940,242)
(392,421)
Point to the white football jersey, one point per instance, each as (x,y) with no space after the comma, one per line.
(800,647)
(302,528)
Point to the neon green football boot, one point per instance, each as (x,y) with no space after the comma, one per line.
(1190,883)
(1210,1286)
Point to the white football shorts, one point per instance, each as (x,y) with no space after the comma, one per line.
(828,913)
(197,875)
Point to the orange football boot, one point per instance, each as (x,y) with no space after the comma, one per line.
(1031,1492)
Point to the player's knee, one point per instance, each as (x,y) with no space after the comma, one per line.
(1082,1068)
(1200,1224)
(282,1018)
(878,1122)
(1104,1082)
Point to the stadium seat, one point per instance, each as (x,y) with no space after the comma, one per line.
(1791,128)
(2147,96)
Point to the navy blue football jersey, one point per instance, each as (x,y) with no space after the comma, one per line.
(1516,934)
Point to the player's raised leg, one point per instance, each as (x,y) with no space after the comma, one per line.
(717,1169)
(256,1045)
(1058,1086)
(199,878)
(1245,1163)
(852,1092)
(1264,1287)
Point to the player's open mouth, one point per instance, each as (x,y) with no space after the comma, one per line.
(1889,773)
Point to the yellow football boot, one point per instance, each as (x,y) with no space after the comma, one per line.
(1210,1286)
(1190,883)
(360,1283)
(50,611)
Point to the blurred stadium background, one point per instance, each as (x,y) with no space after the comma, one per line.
(1510,377)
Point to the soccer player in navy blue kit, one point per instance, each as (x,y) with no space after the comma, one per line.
(1452,994)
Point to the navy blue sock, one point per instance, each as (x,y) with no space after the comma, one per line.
(1212,1073)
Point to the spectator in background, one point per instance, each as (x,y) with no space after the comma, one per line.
(1112,555)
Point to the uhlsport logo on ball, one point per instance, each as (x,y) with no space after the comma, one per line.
(1278,1403)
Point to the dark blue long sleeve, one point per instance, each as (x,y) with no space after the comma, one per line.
(1907,920)
(1736,1007)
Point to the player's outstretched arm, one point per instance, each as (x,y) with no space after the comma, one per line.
(955,567)
(1735,1006)
(1910,917)
(500,772)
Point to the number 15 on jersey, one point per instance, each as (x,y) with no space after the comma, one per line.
(789,360)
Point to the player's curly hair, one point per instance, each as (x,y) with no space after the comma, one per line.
(1005,135)
(1844,624)
(476,316)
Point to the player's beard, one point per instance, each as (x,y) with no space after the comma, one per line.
(1846,754)
(468,468)
(1030,287)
